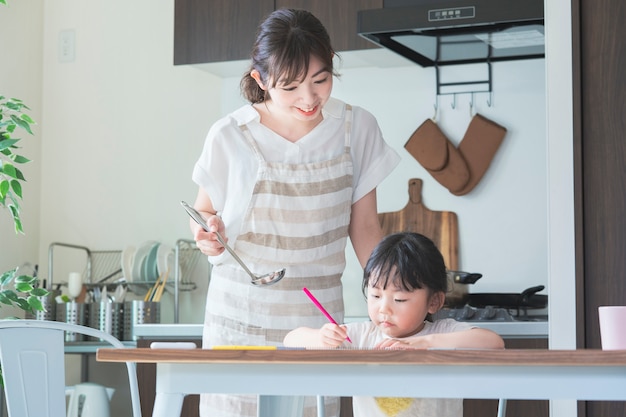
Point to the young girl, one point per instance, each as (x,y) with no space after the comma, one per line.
(404,282)
(292,175)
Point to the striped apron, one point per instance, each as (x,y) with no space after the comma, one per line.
(297,218)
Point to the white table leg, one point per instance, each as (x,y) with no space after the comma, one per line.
(321,409)
(168,404)
(280,405)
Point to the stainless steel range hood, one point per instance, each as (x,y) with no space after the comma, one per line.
(450,32)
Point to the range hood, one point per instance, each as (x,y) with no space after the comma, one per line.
(450,32)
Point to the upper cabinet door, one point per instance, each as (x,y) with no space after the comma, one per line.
(216,30)
(339,17)
(224,30)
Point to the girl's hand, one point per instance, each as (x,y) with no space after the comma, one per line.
(332,335)
(207,241)
(419,342)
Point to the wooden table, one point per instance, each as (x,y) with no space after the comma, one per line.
(592,375)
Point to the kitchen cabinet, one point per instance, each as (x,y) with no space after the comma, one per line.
(339,18)
(214,31)
(224,30)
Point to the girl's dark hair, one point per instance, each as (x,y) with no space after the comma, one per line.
(285,41)
(407,260)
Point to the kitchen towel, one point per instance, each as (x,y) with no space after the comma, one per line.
(432,149)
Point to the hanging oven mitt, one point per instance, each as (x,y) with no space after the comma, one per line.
(478,147)
(432,149)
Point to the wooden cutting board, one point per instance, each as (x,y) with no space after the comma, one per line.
(442,227)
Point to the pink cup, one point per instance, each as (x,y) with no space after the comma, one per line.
(612,327)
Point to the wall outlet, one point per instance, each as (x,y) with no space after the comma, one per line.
(67,42)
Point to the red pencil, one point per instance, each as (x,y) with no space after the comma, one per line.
(321,308)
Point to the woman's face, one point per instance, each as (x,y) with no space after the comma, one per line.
(397,312)
(304,98)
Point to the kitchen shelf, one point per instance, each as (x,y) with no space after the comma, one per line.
(463,85)
(103,269)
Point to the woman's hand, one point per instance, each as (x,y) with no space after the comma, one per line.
(207,241)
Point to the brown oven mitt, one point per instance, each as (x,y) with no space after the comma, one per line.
(432,149)
(478,147)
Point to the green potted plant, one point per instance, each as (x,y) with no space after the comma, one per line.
(26,294)
(16,289)
(12,117)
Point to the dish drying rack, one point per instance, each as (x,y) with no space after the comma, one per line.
(103,268)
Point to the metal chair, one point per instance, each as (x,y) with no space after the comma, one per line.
(33,366)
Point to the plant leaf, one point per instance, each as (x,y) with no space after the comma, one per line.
(19,159)
(17,188)
(39,292)
(23,304)
(15,209)
(5,300)
(21,123)
(18,225)
(27,118)
(25,279)
(19,175)
(35,303)
(4,188)
(6,277)
(23,287)
(10,295)
(9,170)
(7,143)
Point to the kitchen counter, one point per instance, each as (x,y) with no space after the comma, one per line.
(510,330)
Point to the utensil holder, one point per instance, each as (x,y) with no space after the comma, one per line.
(107,317)
(73,313)
(49,304)
(140,312)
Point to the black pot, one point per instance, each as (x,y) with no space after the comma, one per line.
(458,282)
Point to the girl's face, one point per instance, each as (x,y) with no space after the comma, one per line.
(302,99)
(399,313)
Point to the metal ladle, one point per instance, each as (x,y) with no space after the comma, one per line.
(267,279)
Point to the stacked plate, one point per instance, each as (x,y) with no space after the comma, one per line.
(147,263)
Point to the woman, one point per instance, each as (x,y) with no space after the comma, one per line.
(286,179)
